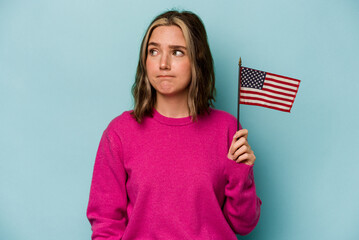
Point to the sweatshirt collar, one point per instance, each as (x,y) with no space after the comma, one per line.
(171,121)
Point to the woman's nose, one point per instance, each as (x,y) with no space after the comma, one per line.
(165,63)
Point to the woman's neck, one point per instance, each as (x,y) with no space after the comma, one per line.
(172,106)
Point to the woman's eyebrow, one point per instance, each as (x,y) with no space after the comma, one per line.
(154,44)
(177,46)
(170,46)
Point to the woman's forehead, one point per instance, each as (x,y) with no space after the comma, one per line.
(167,35)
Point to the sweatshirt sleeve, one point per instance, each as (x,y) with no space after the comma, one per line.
(242,205)
(106,209)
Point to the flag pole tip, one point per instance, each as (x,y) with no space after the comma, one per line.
(240,61)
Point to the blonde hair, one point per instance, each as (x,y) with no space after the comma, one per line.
(202,89)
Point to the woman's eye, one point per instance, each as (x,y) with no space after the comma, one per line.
(178,53)
(153,52)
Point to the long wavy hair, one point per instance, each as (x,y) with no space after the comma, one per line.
(201,94)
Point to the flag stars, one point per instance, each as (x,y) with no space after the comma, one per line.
(252,78)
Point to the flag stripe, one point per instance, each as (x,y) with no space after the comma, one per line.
(278,92)
(276,83)
(266,93)
(261,105)
(282,81)
(277,89)
(265,104)
(269,99)
(276,76)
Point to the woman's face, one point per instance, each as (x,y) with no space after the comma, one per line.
(168,64)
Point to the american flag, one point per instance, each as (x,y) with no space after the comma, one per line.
(267,90)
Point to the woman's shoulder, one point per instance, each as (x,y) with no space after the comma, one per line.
(122,121)
(124,116)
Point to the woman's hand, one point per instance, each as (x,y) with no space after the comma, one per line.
(240,151)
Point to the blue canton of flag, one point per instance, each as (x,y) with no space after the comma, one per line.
(252,78)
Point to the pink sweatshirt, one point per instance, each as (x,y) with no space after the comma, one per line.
(170,178)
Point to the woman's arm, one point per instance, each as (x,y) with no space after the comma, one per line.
(108,198)
(242,205)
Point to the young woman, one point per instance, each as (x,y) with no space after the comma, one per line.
(173,168)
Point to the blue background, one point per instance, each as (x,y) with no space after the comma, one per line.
(66,69)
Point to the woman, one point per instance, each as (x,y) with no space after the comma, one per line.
(173,168)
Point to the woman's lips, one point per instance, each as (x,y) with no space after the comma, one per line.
(165,76)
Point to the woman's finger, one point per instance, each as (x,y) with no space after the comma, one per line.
(237,144)
(240,133)
(247,158)
(245,148)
